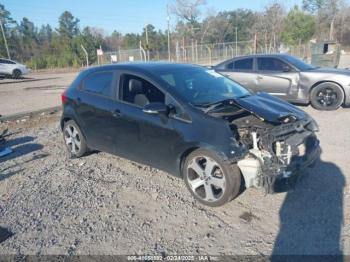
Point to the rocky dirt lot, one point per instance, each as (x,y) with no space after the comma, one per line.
(102,204)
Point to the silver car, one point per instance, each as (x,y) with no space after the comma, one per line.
(12,68)
(291,79)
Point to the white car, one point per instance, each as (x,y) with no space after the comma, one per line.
(12,68)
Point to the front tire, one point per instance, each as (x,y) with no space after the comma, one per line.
(209,179)
(16,74)
(75,141)
(327,96)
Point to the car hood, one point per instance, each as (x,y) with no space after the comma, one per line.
(269,108)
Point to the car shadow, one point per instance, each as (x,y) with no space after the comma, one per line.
(4,234)
(311,217)
(20,146)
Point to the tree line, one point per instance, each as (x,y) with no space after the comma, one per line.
(48,47)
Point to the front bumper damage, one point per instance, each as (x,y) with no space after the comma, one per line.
(287,150)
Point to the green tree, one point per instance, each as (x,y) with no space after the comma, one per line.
(299,26)
(131,41)
(68,25)
(10,29)
(45,34)
(29,38)
(244,20)
(327,12)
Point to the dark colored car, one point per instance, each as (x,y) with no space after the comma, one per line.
(291,79)
(191,122)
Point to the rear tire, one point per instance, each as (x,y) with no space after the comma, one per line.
(210,180)
(327,96)
(16,74)
(74,139)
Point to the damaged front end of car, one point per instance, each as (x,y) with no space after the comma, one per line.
(278,143)
(274,152)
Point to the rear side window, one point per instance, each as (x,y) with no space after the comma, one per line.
(242,64)
(4,61)
(99,83)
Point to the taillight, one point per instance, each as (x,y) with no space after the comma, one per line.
(64,98)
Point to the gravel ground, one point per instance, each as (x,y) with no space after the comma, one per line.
(102,204)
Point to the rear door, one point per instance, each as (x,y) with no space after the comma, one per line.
(276,77)
(95,104)
(241,71)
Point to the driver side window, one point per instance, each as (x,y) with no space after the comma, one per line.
(138,91)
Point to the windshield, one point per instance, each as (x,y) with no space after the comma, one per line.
(298,63)
(202,86)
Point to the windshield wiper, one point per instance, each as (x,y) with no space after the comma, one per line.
(218,104)
(209,106)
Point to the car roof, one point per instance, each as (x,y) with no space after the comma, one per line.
(261,55)
(6,59)
(144,67)
(277,55)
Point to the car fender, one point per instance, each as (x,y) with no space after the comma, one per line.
(237,153)
(230,151)
(69,114)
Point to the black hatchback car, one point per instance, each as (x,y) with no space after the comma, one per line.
(191,122)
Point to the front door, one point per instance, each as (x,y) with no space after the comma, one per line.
(276,77)
(143,137)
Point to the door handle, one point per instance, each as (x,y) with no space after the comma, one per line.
(116,113)
(260,77)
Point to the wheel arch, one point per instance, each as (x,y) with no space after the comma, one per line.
(69,113)
(16,69)
(64,120)
(183,157)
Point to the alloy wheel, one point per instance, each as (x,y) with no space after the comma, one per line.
(327,97)
(72,138)
(206,178)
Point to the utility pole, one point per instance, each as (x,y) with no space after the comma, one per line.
(86,55)
(147,43)
(5,41)
(168,19)
(236,40)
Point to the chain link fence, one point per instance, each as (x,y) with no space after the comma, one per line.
(204,54)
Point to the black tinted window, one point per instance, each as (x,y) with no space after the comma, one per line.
(4,61)
(243,64)
(138,91)
(99,83)
(272,64)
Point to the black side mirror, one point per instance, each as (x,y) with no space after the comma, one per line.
(156,108)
